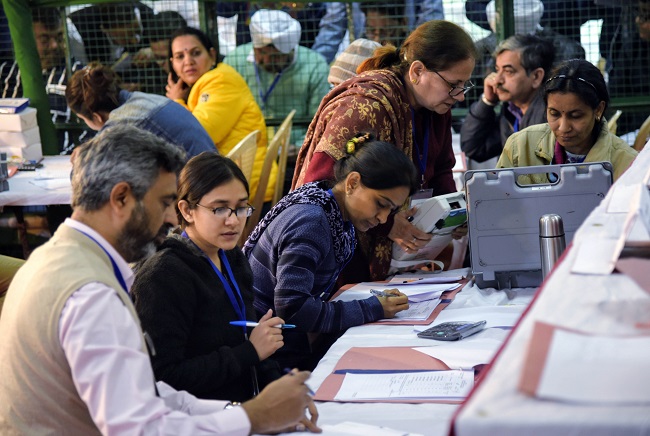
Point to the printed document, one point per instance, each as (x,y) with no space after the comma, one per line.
(406,385)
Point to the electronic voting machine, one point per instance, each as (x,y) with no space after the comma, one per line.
(503,216)
(436,215)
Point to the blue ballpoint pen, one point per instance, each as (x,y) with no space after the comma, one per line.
(255,324)
(381,293)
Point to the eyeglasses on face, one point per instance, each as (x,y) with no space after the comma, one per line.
(226,212)
(455,91)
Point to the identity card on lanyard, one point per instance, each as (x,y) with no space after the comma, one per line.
(421,153)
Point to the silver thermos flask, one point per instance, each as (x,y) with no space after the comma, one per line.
(551,241)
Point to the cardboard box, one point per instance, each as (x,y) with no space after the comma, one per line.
(24,120)
(20,139)
(31,152)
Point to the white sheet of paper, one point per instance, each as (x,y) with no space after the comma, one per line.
(406,385)
(421,280)
(463,356)
(623,198)
(416,312)
(596,369)
(597,256)
(348,428)
(51,184)
(415,293)
(496,316)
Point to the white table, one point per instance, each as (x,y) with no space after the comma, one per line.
(45,186)
(427,419)
(594,303)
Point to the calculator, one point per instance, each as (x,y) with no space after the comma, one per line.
(29,166)
(452,331)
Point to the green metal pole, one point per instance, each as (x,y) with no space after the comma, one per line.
(19,17)
(506,18)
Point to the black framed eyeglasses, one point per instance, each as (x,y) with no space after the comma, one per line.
(455,91)
(226,212)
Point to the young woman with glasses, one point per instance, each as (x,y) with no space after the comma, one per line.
(576,98)
(198,282)
(403,96)
(298,250)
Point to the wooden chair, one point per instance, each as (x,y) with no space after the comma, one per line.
(612,123)
(279,145)
(243,154)
(283,135)
(642,136)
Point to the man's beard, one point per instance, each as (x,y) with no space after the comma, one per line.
(136,241)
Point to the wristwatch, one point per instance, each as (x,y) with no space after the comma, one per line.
(230,405)
(487,102)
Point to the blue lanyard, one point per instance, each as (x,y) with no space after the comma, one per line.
(515,127)
(235,299)
(421,155)
(116,269)
(264,96)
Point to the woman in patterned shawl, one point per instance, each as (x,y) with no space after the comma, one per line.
(402,96)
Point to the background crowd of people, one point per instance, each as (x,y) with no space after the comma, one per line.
(154,189)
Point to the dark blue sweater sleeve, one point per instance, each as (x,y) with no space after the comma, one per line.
(294,260)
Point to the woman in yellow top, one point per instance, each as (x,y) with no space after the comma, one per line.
(217,96)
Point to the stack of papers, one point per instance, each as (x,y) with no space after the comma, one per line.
(416,291)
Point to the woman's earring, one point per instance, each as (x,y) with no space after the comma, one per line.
(414,81)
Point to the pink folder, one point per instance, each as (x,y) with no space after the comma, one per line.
(388,359)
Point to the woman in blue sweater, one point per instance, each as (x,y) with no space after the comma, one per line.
(298,250)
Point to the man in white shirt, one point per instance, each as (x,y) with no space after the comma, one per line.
(74,359)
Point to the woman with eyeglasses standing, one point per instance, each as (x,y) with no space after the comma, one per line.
(298,250)
(576,98)
(402,96)
(198,282)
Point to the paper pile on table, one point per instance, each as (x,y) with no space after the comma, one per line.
(19,135)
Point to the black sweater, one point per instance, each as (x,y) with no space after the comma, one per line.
(183,305)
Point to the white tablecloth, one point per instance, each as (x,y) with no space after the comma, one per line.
(47,185)
(427,419)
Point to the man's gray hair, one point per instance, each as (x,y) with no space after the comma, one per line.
(122,153)
(534,51)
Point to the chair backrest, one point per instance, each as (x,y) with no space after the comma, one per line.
(612,123)
(642,136)
(283,135)
(243,154)
(279,144)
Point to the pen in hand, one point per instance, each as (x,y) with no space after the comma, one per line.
(255,324)
(290,372)
(382,293)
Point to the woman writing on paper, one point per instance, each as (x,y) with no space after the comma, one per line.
(298,250)
(198,282)
(403,96)
(576,97)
